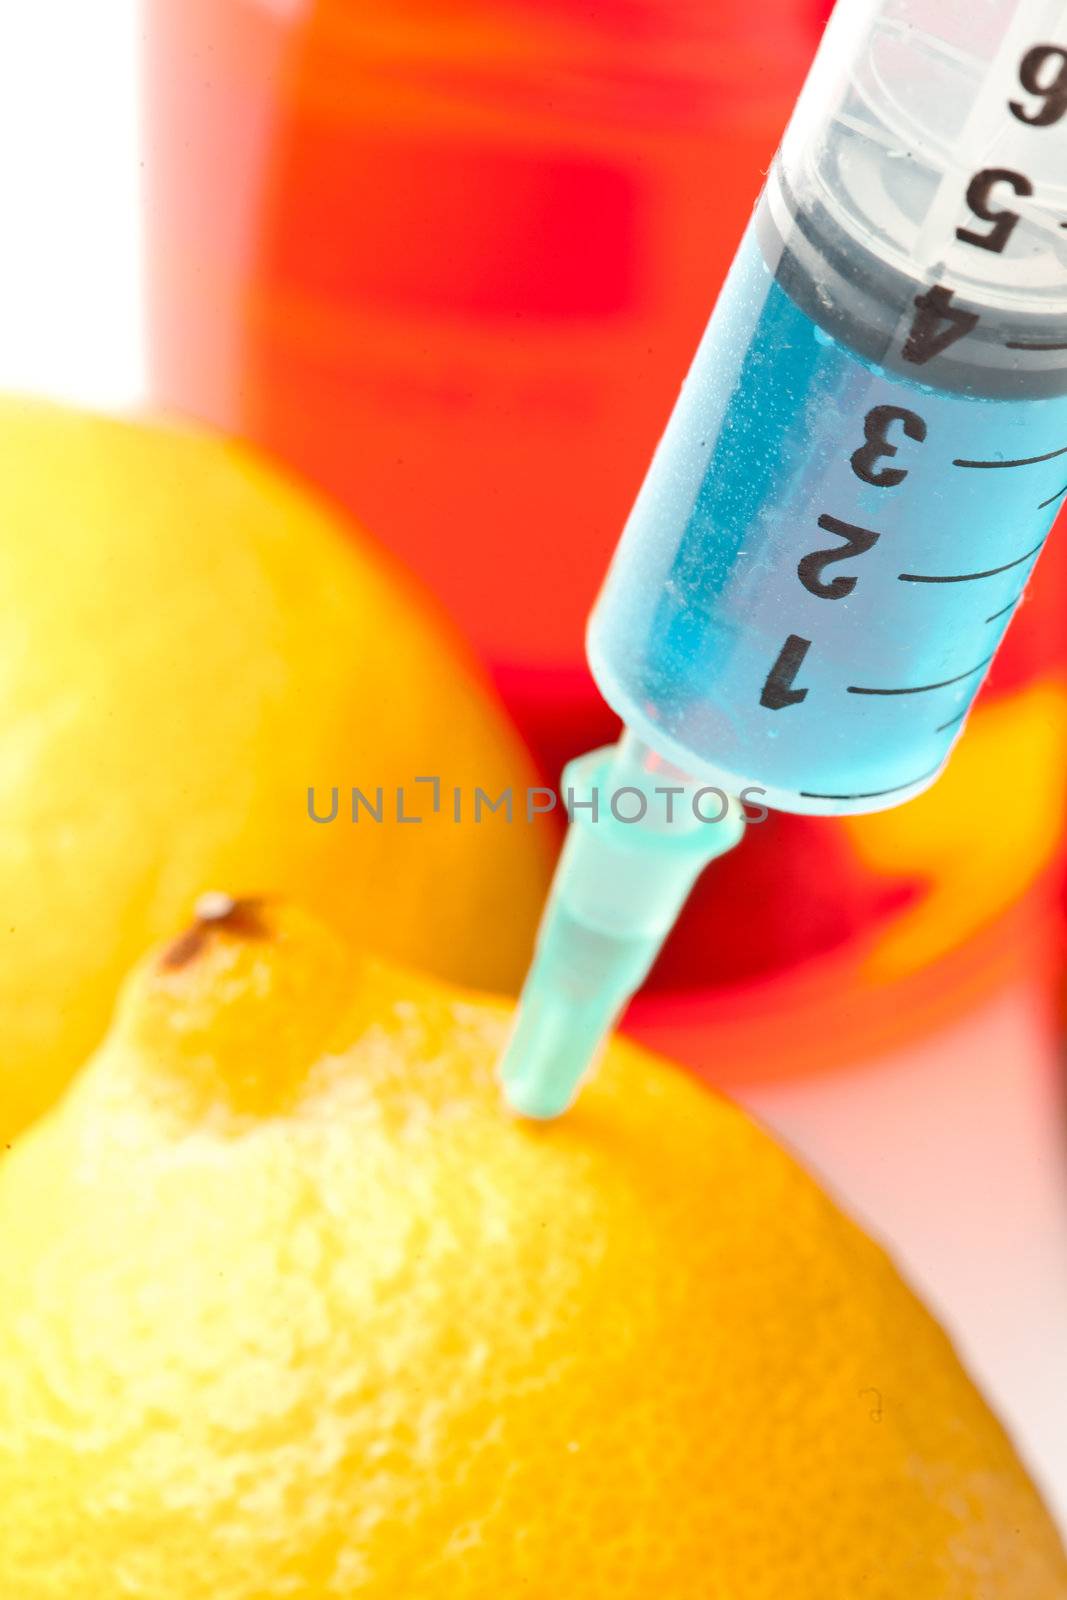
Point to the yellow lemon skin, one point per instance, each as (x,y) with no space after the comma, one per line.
(188,642)
(290,1307)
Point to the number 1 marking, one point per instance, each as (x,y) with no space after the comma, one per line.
(778,690)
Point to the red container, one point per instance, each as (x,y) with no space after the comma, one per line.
(450,261)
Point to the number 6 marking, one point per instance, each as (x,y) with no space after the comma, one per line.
(1053,93)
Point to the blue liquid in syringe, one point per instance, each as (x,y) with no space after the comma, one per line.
(822,560)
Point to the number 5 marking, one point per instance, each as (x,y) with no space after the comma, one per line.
(978,193)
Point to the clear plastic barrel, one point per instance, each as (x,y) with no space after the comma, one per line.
(871,444)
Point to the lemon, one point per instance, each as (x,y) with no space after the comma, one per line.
(289,1306)
(188,643)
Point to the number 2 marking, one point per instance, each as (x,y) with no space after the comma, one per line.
(876,426)
(810,568)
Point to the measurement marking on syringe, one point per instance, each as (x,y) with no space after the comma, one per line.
(1012,346)
(1008,607)
(924,688)
(871,794)
(1052,498)
(952,721)
(1025,461)
(968,577)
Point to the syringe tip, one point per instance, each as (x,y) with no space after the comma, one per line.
(547,1056)
(618,888)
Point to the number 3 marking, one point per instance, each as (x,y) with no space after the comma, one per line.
(876,426)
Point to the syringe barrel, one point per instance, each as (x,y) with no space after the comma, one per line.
(872,441)
(929,137)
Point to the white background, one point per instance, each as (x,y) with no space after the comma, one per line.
(71,310)
(953,1154)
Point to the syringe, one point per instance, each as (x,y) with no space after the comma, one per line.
(850,495)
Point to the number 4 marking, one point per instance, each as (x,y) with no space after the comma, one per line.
(927,337)
(778,690)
